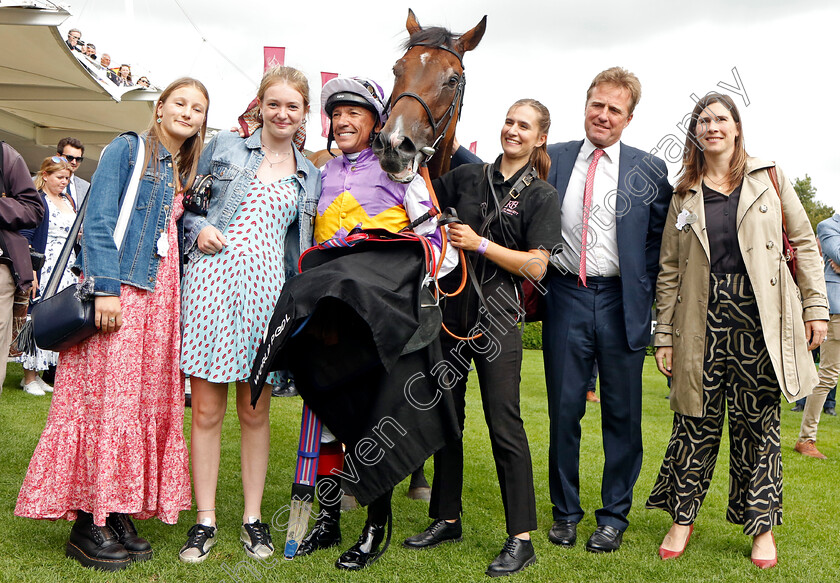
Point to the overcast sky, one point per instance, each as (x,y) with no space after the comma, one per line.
(784,52)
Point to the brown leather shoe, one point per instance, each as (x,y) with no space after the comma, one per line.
(592,397)
(809,448)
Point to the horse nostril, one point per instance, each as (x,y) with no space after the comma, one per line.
(378,143)
(407,147)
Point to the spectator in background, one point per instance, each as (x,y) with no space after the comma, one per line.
(90,51)
(591,397)
(22,208)
(49,238)
(143,82)
(73,38)
(124,76)
(828,232)
(72,150)
(105,61)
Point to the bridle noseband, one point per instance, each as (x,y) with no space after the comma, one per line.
(449,115)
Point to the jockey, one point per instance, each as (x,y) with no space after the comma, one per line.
(356,192)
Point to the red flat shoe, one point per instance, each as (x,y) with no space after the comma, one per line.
(666,554)
(767,563)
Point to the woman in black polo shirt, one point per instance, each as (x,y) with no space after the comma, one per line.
(511,222)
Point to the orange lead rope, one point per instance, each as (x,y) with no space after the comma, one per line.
(424,172)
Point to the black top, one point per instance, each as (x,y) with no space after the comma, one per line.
(530,221)
(722,226)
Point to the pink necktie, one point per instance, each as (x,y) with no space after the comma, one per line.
(587,204)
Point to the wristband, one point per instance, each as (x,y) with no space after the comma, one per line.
(482,247)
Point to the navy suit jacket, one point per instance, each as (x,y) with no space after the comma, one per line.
(641,206)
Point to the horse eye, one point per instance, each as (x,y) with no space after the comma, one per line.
(453,81)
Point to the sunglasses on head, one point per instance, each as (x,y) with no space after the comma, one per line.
(57,159)
(74,158)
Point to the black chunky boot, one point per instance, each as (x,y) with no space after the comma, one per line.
(138,548)
(96,546)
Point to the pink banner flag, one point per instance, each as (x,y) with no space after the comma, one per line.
(273,56)
(325,122)
(473,146)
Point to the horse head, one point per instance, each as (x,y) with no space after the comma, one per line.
(426,100)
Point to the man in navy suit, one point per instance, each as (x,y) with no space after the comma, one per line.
(614,200)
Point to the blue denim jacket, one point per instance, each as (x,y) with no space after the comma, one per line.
(137,262)
(234,161)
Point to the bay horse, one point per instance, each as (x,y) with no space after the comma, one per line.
(426,101)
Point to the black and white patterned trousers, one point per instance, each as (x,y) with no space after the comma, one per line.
(738,378)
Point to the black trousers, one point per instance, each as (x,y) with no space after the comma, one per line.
(498,359)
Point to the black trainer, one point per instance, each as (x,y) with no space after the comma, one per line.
(515,556)
(439,532)
(95,546)
(325,534)
(138,548)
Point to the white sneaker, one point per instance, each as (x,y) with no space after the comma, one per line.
(43,384)
(32,388)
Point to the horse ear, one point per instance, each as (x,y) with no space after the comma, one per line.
(470,39)
(411,24)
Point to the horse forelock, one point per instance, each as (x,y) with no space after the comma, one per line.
(435,36)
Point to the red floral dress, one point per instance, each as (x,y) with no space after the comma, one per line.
(114,440)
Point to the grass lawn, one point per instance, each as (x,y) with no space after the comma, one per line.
(34,550)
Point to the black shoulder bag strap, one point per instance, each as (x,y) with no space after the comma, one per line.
(524,182)
(66,251)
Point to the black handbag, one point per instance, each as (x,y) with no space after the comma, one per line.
(61,320)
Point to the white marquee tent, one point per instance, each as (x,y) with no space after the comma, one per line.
(48,92)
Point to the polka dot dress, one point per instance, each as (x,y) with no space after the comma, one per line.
(229,297)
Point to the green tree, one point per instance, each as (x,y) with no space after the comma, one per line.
(816,210)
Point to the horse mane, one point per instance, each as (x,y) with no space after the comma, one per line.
(432,36)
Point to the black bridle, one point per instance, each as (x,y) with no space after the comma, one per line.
(449,115)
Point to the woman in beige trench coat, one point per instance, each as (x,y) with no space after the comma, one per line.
(734,329)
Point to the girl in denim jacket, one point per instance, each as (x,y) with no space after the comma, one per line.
(114,444)
(262,204)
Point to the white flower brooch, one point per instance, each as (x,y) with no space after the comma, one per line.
(685,219)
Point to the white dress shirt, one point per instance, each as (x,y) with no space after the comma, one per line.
(601,240)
